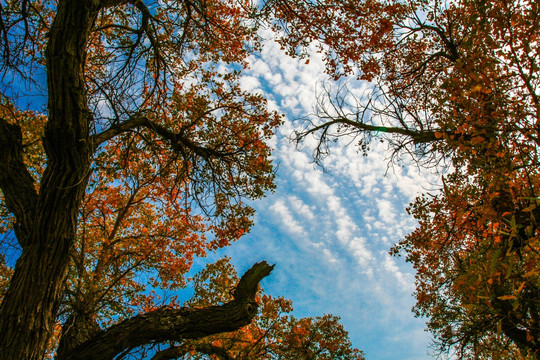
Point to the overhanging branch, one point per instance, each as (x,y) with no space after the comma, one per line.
(418,137)
(170,324)
(177,141)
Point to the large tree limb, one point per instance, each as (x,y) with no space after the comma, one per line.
(15,181)
(170,324)
(418,137)
(177,141)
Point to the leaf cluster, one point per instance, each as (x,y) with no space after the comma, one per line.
(273,334)
(453,83)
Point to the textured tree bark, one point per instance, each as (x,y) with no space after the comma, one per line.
(15,181)
(28,311)
(169,324)
(46,221)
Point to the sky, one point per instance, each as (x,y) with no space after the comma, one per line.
(329,232)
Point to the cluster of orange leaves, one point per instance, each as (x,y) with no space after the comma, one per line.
(274,333)
(467,73)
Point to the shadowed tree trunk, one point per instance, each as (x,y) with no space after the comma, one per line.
(46,234)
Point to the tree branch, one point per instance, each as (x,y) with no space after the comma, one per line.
(418,137)
(177,141)
(112,3)
(15,180)
(170,324)
(176,352)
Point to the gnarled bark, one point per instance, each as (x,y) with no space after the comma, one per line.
(170,324)
(15,180)
(29,307)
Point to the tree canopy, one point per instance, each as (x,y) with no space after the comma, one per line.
(451,83)
(147,150)
(141,160)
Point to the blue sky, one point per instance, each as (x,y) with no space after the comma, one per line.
(329,233)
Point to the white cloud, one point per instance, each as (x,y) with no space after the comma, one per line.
(330,256)
(404,280)
(360,252)
(259,67)
(329,233)
(301,208)
(251,84)
(386,211)
(286,218)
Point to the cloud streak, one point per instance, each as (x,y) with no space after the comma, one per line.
(329,232)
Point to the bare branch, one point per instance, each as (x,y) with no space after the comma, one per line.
(418,137)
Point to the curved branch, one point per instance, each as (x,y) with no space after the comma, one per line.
(15,180)
(170,324)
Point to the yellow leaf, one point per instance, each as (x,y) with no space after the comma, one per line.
(476,88)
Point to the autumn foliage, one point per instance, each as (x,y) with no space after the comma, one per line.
(274,332)
(141,160)
(454,84)
(147,149)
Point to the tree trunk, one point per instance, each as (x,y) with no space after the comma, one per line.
(29,308)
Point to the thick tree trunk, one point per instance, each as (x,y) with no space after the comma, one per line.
(28,311)
(29,307)
(46,221)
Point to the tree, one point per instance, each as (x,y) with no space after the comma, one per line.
(273,334)
(453,82)
(139,163)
